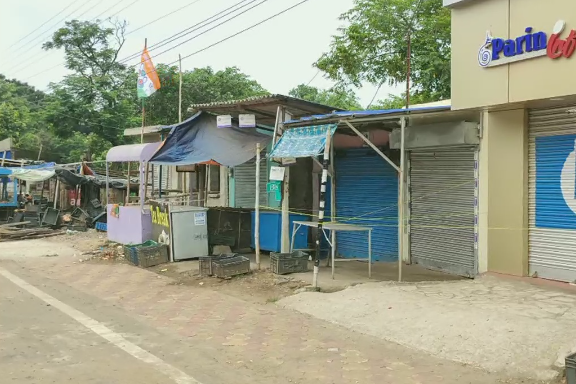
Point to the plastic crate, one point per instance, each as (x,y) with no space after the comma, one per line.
(102,227)
(205,263)
(571,369)
(146,255)
(285,263)
(230,266)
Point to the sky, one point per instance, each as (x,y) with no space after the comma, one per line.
(278,54)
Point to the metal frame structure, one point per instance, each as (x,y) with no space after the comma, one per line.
(396,119)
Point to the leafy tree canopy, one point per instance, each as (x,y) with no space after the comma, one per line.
(339,97)
(373,47)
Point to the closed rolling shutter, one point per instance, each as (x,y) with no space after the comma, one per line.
(245,183)
(551,192)
(165,177)
(442,209)
(367,194)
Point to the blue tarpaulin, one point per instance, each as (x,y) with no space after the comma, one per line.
(198,140)
(303,142)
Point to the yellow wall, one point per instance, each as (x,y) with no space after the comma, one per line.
(503,204)
(534,79)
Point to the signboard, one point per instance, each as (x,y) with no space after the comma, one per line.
(160,223)
(247,121)
(224,121)
(497,51)
(277,173)
(275,188)
(200,218)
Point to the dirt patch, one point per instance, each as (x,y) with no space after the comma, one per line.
(88,241)
(258,286)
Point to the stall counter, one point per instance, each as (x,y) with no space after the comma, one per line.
(129,224)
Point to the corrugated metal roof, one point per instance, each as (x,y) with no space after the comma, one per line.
(265,107)
(137,131)
(278,98)
(348,115)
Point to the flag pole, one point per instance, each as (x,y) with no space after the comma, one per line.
(143,108)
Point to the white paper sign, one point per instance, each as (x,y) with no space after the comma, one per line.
(277,173)
(200,218)
(224,121)
(247,121)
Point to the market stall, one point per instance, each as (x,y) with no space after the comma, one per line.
(129,221)
(198,141)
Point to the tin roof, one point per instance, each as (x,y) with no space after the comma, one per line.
(265,107)
(366,114)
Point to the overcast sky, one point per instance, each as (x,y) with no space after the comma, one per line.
(278,54)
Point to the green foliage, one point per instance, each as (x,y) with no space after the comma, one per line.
(373,47)
(338,97)
(201,85)
(397,102)
(99,98)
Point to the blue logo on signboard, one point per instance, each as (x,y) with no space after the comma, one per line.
(556,182)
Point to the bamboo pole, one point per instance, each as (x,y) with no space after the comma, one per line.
(257,208)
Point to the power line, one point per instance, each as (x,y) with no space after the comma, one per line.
(43,24)
(107,9)
(62,63)
(313,78)
(139,28)
(162,17)
(203,32)
(206,48)
(49,30)
(242,31)
(189,30)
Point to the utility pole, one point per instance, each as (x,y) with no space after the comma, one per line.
(408,68)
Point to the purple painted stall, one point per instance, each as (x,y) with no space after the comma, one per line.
(131,224)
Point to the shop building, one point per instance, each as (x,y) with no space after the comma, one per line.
(514,61)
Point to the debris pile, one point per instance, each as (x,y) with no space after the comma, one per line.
(14,231)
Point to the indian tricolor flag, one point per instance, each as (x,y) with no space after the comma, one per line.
(148,81)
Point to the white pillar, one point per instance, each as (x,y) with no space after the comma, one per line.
(257,208)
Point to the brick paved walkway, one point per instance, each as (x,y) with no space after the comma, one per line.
(264,338)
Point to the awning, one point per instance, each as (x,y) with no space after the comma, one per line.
(303,142)
(32,175)
(198,141)
(133,152)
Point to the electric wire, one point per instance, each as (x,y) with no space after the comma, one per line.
(192,28)
(63,63)
(49,30)
(43,24)
(204,49)
(162,17)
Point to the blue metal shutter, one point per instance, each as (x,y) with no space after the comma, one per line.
(551,193)
(367,194)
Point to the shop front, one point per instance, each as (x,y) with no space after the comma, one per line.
(514,61)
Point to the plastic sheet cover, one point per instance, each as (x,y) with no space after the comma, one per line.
(198,140)
(303,142)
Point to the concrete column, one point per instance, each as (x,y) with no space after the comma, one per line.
(503,193)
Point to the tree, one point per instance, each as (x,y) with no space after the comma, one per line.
(338,97)
(201,85)
(397,102)
(374,46)
(98,99)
